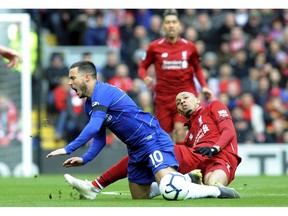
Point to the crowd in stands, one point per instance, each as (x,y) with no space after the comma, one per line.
(244,56)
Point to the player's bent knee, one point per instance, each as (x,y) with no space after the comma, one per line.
(173,186)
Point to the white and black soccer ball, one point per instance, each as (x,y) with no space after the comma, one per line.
(173,186)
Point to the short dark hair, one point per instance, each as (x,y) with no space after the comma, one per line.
(169,12)
(85,67)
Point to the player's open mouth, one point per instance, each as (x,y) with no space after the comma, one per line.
(184,107)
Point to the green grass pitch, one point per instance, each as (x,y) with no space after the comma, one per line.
(53,191)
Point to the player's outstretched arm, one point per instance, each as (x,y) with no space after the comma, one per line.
(10,54)
(60,151)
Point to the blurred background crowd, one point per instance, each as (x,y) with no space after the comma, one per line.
(244,56)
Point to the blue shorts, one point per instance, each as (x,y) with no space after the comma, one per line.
(156,152)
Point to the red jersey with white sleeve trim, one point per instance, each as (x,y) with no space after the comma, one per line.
(175,64)
(212,125)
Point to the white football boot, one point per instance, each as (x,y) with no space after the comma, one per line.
(85,188)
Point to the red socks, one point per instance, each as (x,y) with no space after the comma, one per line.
(113,174)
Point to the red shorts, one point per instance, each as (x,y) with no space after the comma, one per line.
(188,160)
(167,114)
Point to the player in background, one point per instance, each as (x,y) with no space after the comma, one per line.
(13,56)
(150,148)
(176,63)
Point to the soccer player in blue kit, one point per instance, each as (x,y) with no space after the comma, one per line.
(150,148)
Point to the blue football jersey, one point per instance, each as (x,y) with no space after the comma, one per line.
(110,107)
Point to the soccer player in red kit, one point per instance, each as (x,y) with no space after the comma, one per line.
(211,133)
(210,146)
(176,63)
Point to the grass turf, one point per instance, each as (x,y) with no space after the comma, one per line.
(53,191)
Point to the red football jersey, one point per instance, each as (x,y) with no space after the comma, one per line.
(212,125)
(175,64)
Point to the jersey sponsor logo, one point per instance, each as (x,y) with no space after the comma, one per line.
(223,113)
(169,65)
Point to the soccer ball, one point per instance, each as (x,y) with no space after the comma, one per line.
(173,186)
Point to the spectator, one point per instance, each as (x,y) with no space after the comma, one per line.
(188,17)
(253,113)
(154,31)
(87,56)
(53,74)
(276,133)
(78,25)
(8,121)
(275,78)
(254,24)
(191,34)
(285,136)
(96,32)
(241,16)
(284,42)
(224,53)
(237,40)
(210,63)
(70,110)
(284,93)
(114,17)
(109,67)
(223,33)
(127,28)
(276,31)
(250,82)
(113,38)
(275,108)
(243,126)
(205,30)
(273,51)
(201,48)
(122,79)
(138,87)
(145,101)
(263,91)
(268,16)
(140,36)
(239,64)
(255,46)
(226,76)
(57,22)
(143,17)
(233,92)
(217,17)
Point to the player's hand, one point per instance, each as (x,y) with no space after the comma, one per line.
(148,81)
(60,151)
(207,151)
(207,93)
(10,54)
(73,162)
